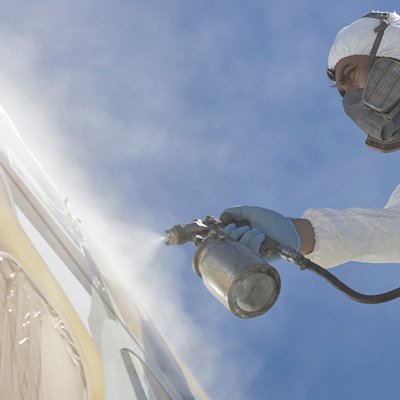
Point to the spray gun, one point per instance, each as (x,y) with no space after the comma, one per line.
(240,279)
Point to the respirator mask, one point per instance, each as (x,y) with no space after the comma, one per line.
(376,108)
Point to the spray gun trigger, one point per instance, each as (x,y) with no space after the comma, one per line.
(227,219)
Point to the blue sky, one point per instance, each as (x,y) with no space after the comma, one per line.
(169,111)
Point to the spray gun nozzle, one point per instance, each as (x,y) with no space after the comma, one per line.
(175,235)
(184,233)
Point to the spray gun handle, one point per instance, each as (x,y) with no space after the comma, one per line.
(269,246)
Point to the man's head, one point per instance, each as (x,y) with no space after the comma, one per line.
(353,66)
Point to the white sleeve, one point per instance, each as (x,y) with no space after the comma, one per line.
(356,234)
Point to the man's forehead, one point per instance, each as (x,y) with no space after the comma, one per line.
(356,60)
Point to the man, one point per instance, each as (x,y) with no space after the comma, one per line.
(364,65)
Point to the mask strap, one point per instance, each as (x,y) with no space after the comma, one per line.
(379,30)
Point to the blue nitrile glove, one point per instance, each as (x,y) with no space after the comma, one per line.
(263,222)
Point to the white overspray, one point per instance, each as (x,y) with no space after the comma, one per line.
(131,252)
(38,109)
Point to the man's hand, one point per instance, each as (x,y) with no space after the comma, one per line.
(263,222)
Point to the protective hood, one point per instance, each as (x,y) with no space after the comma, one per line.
(358,39)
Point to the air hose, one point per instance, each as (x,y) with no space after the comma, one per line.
(297,258)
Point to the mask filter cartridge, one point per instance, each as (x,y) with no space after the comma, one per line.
(382,90)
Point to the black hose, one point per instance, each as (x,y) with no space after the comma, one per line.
(295,257)
(360,297)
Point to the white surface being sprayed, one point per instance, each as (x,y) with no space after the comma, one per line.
(76,293)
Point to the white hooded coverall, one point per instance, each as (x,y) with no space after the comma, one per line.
(359,234)
(356,234)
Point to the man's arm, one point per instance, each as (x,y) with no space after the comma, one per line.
(356,234)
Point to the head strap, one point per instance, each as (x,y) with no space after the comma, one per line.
(377,15)
(379,30)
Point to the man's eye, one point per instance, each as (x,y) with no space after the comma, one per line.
(349,76)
